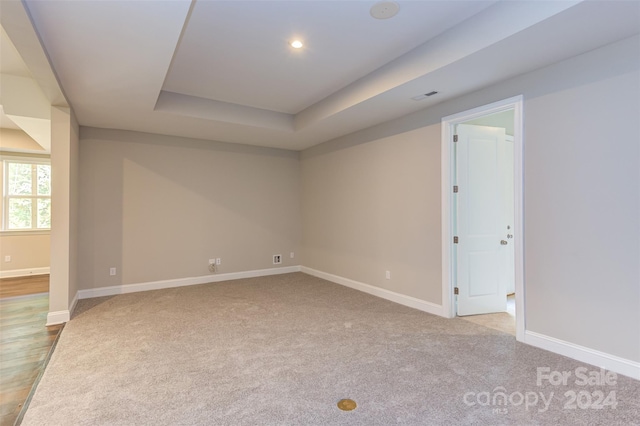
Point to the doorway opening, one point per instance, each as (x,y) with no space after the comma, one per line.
(482,216)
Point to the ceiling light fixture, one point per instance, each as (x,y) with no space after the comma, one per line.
(384,9)
(296,44)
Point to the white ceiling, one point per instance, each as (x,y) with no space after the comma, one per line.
(10,63)
(6,122)
(238,52)
(223,70)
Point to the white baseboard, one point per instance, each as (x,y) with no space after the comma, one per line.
(15,273)
(72,306)
(58,317)
(590,356)
(401,299)
(181,282)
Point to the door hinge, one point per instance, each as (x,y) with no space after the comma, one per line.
(455,290)
(455,240)
(455,138)
(455,189)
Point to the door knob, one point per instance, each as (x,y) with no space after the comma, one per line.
(503,242)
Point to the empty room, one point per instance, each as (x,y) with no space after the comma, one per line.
(322,212)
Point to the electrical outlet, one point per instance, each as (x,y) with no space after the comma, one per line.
(277,259)
(218,261)
(7,258)
(292,255)
(388,275)
(112,271)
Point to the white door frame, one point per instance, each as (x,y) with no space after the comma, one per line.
(447,179)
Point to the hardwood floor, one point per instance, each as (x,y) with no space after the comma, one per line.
(25,341)
(22,286)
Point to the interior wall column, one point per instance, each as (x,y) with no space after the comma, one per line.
(60,267)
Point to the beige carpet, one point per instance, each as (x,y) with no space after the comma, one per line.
(501,321)
(285,349)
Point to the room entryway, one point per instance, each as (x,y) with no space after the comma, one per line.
(482,216)
(501,321)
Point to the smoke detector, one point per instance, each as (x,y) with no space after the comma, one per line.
(384,9)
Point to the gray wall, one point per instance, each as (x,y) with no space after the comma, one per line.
(375,207)
(371,199)
(158,207)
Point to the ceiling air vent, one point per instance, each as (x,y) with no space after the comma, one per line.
(424,95)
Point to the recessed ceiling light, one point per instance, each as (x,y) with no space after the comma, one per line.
(296,44)
(384,9)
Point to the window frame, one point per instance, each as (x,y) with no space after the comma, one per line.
(34,162)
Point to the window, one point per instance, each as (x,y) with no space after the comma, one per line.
(27,195)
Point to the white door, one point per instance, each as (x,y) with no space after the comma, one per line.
(481,222)
(509,208)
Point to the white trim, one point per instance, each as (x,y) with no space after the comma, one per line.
(518,225)
(590,356)
(181,282)
(72,306)
(446,163)
(392,296)
(15,273)
(446,203)
(58,317)
(19,157)
(24,232)
(34,197)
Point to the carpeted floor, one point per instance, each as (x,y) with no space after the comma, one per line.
(285,349)
(501,321)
